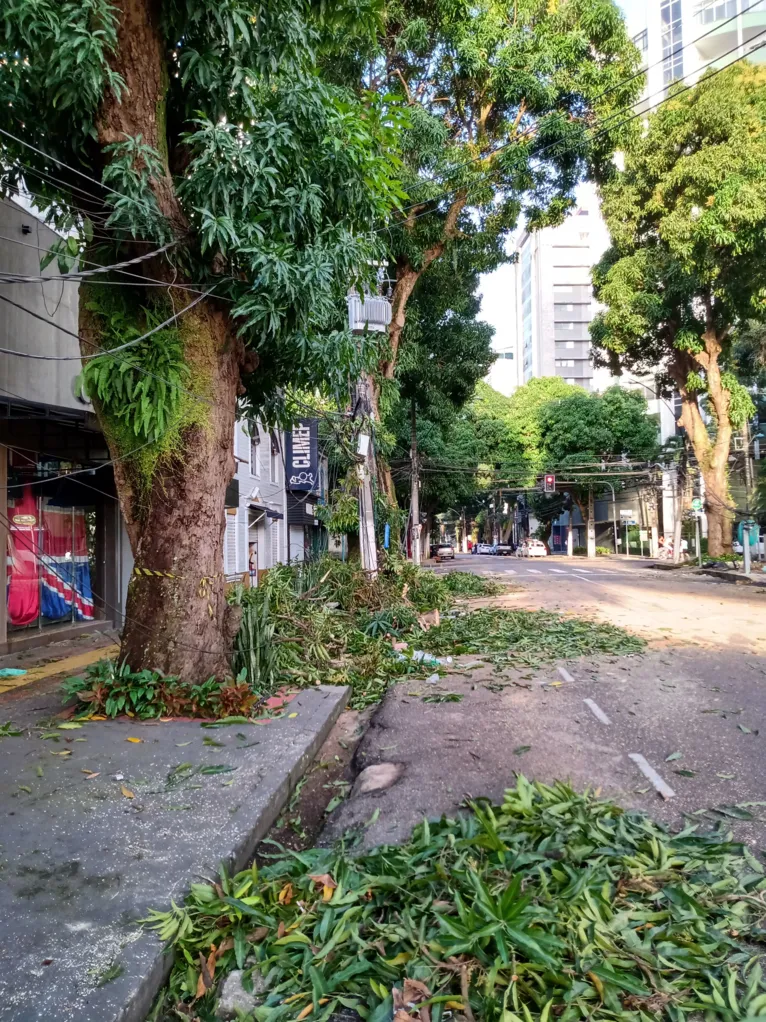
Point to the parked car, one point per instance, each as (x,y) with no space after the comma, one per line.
(532,548)
(445,552)
(503,549)
(486,548)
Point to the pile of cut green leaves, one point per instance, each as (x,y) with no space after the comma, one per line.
(328,622)
(528,637)
(555,905)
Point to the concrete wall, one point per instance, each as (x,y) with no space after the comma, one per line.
(41,382)
(261,477)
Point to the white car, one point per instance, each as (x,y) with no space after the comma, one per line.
(532,548)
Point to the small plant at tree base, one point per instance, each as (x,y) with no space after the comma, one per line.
(112,689)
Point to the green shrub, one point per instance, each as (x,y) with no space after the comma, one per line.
(112,689)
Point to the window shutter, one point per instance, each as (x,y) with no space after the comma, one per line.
(242,539)
(230,545)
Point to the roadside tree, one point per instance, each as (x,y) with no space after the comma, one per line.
(687,217)
(586,436)
(201,129)
(499,96)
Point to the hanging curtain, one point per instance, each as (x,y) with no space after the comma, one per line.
(22,577)
(65,565)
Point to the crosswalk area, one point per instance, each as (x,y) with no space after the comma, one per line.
(574,573)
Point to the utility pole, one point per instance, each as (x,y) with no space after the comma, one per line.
(680,502)
(591,527)
(415,493)
(365,470)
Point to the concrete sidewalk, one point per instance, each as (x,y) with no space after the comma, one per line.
(105,821)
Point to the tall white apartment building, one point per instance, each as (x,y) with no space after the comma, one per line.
(680,39)
(554,300)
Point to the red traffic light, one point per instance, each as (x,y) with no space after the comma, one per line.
(549,484)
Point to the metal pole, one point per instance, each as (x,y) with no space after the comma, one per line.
(746,546)
(614,517)
(627,540)
(591,526)
(697,539)
(415,487)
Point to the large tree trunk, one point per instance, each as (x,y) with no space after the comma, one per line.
(712,457)
(176,618)
(172,501)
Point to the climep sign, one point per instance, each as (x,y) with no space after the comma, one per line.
(303,455)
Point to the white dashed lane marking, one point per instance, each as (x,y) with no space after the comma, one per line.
(651,775)
(565,674)
(596,710)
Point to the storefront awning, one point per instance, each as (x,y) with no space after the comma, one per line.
(266,511)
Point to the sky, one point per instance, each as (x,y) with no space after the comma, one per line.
(496,288)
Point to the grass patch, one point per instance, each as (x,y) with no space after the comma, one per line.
(554,905)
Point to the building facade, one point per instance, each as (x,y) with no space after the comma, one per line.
(68,558)
(554,300)
(680,39)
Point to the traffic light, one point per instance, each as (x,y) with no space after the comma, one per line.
(549,483)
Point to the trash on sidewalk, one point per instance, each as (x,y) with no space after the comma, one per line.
(11,672)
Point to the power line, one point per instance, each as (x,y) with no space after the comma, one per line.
(16,278)
(100,352)
(74,170)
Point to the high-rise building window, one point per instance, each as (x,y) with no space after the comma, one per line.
(672,41)
(641,41)
(712,12)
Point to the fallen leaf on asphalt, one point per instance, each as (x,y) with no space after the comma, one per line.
(23,787)
(98,716)
(207,740)
(727,777)
(69,725)
(64,752)
(89,774)
(40,771)
(672,756)
(291,715)
(744,730)
(136,741)
(180,745)
(126,791)
(521,750)
(686,773)
(217,768)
